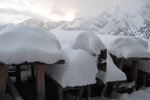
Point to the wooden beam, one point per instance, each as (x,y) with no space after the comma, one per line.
(40,81)
(3,80)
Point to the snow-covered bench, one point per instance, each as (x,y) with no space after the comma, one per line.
(25,45)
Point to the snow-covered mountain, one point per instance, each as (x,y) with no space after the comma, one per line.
(112,21)
(42,24)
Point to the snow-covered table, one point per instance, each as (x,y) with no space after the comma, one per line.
(130,48)
(20,45)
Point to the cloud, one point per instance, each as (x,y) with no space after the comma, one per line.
(22,13)
(51,9)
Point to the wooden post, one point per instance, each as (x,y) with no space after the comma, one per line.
(104,90)
(60,93)
(32,72)
(18,74)
(135,71)
(89,92)
(3,80)
(121,63)
(145,79)
(40,81)
(80,93)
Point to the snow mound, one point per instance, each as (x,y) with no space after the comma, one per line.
(89,42)
(19,44)
(79,69)
(129,47)
(112,73)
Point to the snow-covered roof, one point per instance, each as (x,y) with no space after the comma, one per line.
(79,69)
(89,42)
(19,44)
(129,47)
(113,73)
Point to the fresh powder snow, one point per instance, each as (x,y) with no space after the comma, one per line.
(19,44)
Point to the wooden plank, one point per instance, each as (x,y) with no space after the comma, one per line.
(3,80)
(40,81)
(13,91)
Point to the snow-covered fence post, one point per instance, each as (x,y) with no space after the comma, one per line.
(3,80)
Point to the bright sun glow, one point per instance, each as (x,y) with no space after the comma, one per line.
(69,17)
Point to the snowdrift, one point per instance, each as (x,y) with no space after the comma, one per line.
(19,44)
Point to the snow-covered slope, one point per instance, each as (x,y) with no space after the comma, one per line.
(114,21)
(19,44)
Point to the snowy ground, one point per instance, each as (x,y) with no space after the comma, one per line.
(138,95)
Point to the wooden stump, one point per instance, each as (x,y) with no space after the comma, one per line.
(3,80)
(40,81)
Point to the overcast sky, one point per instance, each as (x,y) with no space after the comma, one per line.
(18,10)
